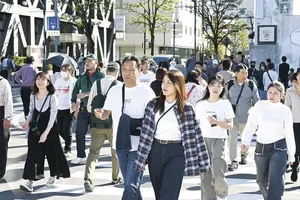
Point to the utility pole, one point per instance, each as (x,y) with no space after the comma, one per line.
(57,38)
(195,27)
(45,37)
(174,38)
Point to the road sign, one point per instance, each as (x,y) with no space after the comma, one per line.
(285,8)
(53,24)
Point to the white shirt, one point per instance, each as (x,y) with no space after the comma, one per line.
(136,100)
(271,122)
(196,94)
(221,110)
(148,78)
(266,79)
(167,127)
(6,99)
(64,92)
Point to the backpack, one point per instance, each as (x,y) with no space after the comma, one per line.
(9,64)
(230,83)
(98,102)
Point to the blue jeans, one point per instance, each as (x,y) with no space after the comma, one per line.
(132,178)
(83,121)
(270,160)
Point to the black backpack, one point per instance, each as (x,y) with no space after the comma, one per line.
(98,102)
(230,83)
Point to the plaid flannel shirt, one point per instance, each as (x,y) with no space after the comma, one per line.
(196,156)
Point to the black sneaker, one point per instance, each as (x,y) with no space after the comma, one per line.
(117,181)
(243,160)
(233,166)
(294,175)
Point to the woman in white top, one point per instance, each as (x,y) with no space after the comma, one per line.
(194,90)
(273,124)
(268,77)
(171,139)
(215,115)
(64,87)
(292,100)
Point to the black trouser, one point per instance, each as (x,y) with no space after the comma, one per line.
(285,81)
(64,124)
(4,138)
(4,73)
(166,168)
(297,140)
(25,96)
(83,122)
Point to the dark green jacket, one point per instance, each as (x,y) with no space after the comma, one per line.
(84,83)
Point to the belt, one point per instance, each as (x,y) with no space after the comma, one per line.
(168,141)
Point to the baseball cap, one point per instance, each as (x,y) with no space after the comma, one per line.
(215,62)
(90,56)
(173,63)
(113,65)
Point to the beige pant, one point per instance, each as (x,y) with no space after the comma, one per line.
(209,188)
(232,141)
(98,137)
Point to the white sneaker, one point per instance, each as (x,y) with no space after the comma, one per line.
(27,186)
(51,182)
(68,154)
(78,161)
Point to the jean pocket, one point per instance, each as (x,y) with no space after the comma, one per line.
(280,146)
(258,150)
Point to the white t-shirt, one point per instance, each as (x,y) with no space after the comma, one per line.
(222,110)
(266,79)
(148,78)
(136,100)
(167,127)
(64,91)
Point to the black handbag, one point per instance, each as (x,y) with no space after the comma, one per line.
(135,123)
(33,125)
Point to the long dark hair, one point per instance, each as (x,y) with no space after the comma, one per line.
(177,78)
(50,87)
(212,80)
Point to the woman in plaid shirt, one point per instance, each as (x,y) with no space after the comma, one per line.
(171,140)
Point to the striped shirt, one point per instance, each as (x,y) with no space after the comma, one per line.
(6,98)
(196,156)
(26,75)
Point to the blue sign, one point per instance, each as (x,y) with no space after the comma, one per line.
(53,23)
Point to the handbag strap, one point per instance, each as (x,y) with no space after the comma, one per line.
(99,87)
(162,116)
(39,115)
(123,97)
(111,85)
(238,99)
(269,76)
(189,93)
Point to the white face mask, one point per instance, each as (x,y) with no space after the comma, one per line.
(64,74)
(262,68)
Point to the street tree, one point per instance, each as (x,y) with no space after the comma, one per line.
(82,16)
(152,15)
(239,36)
(217,16)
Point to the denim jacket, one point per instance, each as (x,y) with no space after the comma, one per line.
(196,156)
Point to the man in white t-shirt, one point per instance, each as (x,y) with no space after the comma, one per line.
(136,97)
(146,76)
(269,76)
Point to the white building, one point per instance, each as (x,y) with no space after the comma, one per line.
(277,33)
(134,37)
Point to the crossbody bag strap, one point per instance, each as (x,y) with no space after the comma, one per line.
(269,77)
(99,87)
(39,115)
(162,116)
(189,93)
(123,97)
(111,85)
(238,99)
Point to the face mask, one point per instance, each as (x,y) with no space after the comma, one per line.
(262,68)
(64,74)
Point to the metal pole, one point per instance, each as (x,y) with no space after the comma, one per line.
(45,37)
(145,35)
(174,32)
(164,42)
(57,38)
(195,27)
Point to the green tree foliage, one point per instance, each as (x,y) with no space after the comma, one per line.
(151,15)
(239,36)
(217,16)
(83,16)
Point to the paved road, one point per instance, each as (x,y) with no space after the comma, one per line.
(242,182)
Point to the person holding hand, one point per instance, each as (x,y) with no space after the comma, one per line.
(43,137)
(273,124)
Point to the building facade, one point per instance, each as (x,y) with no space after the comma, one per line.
(21,30)
(184,41)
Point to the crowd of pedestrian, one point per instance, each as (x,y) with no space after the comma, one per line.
(177,120)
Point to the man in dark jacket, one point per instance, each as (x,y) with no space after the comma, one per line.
(284,69)
(81,93)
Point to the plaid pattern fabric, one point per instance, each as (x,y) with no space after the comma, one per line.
(196,156)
